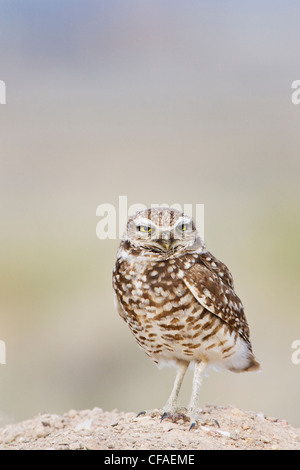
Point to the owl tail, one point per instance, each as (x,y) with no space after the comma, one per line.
(253,365)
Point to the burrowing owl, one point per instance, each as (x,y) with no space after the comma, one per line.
(179,301)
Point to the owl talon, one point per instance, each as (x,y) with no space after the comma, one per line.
(193,425)
(165,415)
(141,413)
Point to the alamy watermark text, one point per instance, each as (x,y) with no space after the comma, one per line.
(296,94)
(113,219)
(2,352)
(296,353)
(2,92)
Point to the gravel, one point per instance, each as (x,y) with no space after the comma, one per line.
(219,428)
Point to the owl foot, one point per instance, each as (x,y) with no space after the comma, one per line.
(193,417)
(175,415)
(196,421)
(197,418)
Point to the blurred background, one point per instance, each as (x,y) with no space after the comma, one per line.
(163,102)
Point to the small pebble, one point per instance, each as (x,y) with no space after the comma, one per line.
(84,425)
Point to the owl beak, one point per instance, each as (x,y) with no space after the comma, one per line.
(166,240)
(166,244)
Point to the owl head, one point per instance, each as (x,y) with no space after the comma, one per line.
(162,230)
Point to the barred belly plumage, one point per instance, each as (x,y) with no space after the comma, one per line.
(169,323)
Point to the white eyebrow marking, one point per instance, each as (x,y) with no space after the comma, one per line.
(183,220)
(143,221)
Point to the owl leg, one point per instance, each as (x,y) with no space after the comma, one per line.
(197,381)
(171,405)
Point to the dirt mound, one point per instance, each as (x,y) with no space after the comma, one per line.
(219,428)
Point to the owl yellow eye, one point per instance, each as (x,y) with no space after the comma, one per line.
(144,228)
(182,227)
